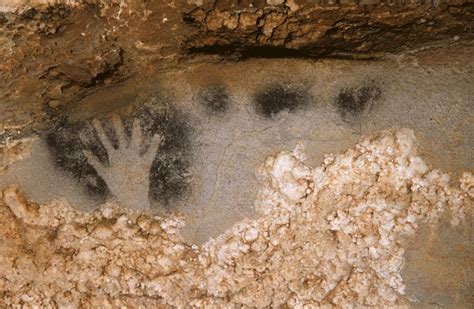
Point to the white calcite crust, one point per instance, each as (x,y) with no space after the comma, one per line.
(333,235)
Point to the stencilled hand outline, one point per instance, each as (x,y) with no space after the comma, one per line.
(128,172)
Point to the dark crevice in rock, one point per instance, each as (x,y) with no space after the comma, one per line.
(234,51)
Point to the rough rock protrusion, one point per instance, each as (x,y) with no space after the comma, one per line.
(309,28)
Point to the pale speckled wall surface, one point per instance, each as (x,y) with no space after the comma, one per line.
(219,122)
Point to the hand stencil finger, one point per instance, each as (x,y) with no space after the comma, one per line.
(119,130)
(102,136)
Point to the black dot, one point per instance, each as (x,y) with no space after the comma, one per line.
(352,102)
(276,98)
(347,103)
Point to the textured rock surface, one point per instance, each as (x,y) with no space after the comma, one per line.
(372,226)
(55,53)
(312,29)
(229,117)
(333,235)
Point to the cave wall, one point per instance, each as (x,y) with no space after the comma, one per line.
(56,53)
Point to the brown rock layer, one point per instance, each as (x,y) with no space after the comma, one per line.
(55,55)
(311,29)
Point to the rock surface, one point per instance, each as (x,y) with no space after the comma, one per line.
(56,53)
(308,28)
(375,225)
(332,235)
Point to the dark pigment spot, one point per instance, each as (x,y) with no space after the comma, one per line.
(276,98)
(67,149)
(215,99)
(353,102)
(169,175)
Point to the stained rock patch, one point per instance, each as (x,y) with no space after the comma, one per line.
(148,152)
(277,98)
(353,103)
(215,99)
